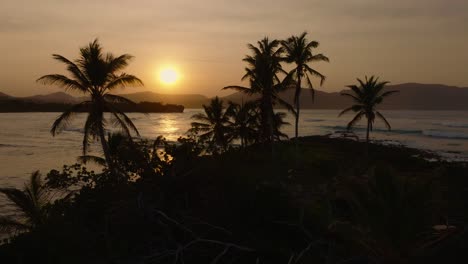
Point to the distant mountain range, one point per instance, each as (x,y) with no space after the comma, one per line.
(412,96)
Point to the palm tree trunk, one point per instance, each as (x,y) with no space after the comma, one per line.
(367,137)
(105,149)
(267,117)
(298,105)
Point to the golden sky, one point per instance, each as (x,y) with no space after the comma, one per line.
(400,40)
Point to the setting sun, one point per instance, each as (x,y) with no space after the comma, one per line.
(168,76)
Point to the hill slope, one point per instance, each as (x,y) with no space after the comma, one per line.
(412,96)
(59,98)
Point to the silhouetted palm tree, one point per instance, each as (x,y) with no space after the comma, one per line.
(213,124)
(29,203)
(95,74)
(264,66)
(299,51)
(278,123)
(244,122)
(367,96)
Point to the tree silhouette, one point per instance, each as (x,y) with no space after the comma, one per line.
(264,67)
(95,74)
(29,203)
(244,122)
(367,96)
(213,124)
(298,50)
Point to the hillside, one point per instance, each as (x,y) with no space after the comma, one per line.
(59,98)
(4,96)
(187,100)
(412,96)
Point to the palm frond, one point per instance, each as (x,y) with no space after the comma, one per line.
(119,63)
(311,87)
(73,69)
(355,98)
(320,57)
(238,88)
(62,80)
(123,120)
(123,80)
(387,93)
(387,124)
(356,119)
(64,119)
(354,108)
(8,224)
(315,73)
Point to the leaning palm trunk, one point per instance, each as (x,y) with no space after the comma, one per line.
(267,111)
(297,103)
(106,151)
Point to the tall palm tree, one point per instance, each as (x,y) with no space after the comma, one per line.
(244,122)
(264,67)
(95,74)
(29,203)
(367,96)
(213,124)
(298,50)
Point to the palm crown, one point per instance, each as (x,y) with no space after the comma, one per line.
(367,96)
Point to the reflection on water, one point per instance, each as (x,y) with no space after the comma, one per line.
(168,126)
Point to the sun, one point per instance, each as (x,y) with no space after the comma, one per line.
(168,76)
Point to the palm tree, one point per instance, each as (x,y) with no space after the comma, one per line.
(29,203)
(213,124)
(95,74)
(278,123)
(367,96)
(264,67)
(244,122)
(299,51)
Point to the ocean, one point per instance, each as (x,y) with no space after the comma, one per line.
(26,144)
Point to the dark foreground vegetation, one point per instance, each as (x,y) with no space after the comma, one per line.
(20,106)
(316,203)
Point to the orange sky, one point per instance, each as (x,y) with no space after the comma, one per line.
(400,40)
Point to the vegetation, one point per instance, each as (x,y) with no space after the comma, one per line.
(95,74)
(30,203)
(366,97)
(264,67)
(213,124)
(299,51)
(245,122)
